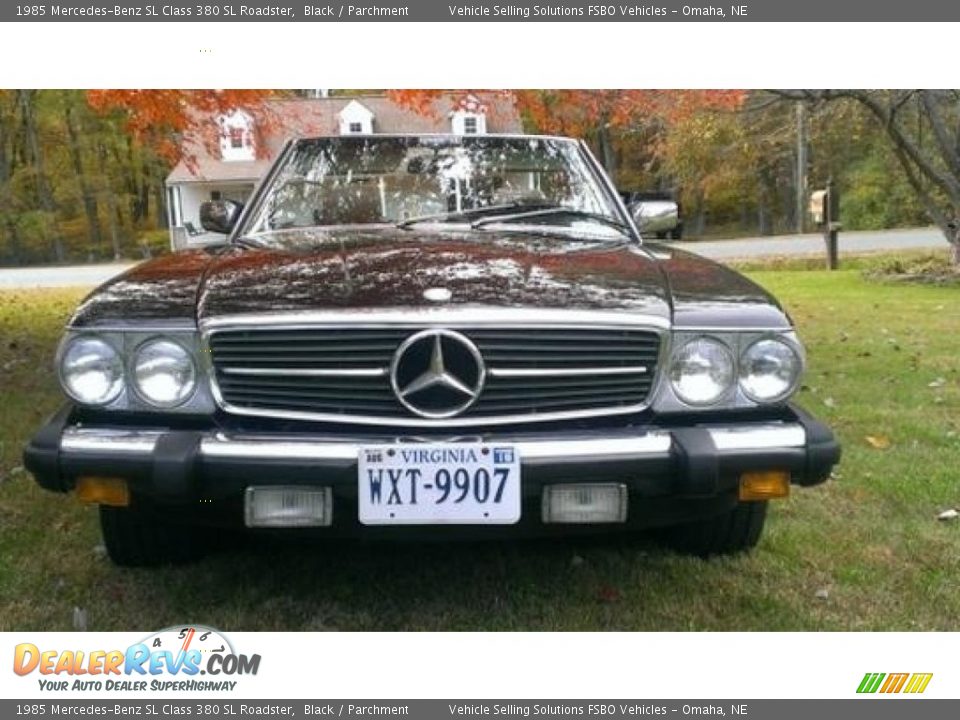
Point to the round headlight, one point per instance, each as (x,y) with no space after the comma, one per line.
(164,373)
(702,371)
(91,371)
(769,370)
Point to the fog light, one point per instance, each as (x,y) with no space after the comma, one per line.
(288,506)
(103,491)
(764,485)
(585,503)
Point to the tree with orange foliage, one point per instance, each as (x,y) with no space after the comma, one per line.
(162,119)
(596,115)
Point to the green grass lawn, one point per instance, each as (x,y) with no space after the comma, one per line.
(863,552)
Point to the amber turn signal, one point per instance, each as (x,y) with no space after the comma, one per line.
(764,485)
(103,491)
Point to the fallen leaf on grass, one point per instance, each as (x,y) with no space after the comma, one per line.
(608,594)
(938,383)
(950,514)
(878,442)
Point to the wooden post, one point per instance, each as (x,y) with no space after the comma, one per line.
(831,226)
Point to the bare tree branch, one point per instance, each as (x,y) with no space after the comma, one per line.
(940,132)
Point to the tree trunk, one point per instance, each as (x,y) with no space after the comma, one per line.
(89,199)
(139,195)
(953,237)
(112,210)
(607,155)
(6,170)
(160,200)
(44,191)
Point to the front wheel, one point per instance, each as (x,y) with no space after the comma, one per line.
(139,537)
(735,531)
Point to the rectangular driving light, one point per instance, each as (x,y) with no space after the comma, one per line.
(585,503)
(103,491)
(288,506)
(764,485)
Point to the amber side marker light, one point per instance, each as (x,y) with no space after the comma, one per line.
(764,485)
(103,491)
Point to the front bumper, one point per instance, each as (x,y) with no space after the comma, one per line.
(671,473)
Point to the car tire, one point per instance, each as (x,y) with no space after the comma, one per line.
(138,537)
(735,531)
(676,233)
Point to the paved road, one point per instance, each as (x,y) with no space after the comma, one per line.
(799,245)
(782,245)
(60,276)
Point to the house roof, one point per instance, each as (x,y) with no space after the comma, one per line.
(280,119)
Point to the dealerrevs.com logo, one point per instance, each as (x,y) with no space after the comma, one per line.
(178,658)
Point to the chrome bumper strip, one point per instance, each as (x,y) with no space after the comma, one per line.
(758,437)
(94,440)
(766,436)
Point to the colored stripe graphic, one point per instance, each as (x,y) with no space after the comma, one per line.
(918,682)
(894,683)
(870,682)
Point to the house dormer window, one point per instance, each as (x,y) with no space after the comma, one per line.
(356,119)
(467,122)
(237,136)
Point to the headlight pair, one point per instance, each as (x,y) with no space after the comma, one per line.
(705,370)
(161,371)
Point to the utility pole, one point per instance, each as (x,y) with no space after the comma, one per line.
(801,208)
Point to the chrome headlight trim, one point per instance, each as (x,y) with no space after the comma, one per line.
(731,370)
(790,388)
(126,339)
(738,340)
(63,351)
(133,371)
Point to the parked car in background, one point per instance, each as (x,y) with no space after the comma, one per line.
(430,336)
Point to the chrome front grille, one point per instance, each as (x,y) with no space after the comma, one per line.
(342,373)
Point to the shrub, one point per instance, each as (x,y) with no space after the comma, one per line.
(154,242)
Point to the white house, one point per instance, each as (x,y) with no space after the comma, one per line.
(241,146)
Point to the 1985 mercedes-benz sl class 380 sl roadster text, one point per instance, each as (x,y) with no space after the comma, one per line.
(409,335)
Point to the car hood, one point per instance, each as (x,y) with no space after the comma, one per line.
(361,270)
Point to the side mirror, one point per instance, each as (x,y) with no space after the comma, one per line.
(658,217)
(219,216)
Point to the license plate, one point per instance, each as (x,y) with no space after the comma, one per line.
(426,484)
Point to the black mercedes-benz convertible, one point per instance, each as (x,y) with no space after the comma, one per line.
(431,336)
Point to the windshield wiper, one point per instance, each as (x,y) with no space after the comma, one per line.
(250,242)
(453,214)
(554,210)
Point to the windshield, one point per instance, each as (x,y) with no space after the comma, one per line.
(408,180)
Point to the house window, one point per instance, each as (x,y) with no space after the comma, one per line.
(356,128)
(470,125)
(237,137)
